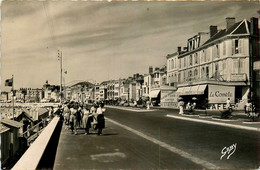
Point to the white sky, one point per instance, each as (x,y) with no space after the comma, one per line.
(101,40)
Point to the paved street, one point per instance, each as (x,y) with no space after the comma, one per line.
(139,140)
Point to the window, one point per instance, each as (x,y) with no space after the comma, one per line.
(190,60)
(202,72)
(224,48)
(207,72)
(190,75)
(195,73)
(172,64)
(217,48)
(179,77)
(203,56)
(180,63)
(235,66)
(238,66)
(184,61)
(216,70)
(196,58)
(237,46)
(207,55)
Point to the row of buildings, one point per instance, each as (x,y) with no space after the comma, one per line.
(47,92)
(214,66)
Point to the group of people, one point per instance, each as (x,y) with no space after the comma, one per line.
(77,116)
(189,106)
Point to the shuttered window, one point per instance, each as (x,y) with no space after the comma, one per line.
(224,48)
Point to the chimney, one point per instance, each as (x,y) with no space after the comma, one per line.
(230,21)
(150,69)
(254,26)
(213,30)
(179,49)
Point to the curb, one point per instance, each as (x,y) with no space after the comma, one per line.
(128,109)
(214,123)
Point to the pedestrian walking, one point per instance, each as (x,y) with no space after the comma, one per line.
(87,116)
(67,116)
(228,104)
(79,117)
(51,111)
(148,105)
(73,119)
(92,109)
(181,105)
(100,119)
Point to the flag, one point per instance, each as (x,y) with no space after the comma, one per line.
(9,82)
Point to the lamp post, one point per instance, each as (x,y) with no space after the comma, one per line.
(60,59)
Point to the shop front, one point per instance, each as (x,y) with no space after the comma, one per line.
(169,97)
(197,93)
(212,96)
(155,97)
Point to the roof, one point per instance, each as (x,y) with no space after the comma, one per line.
(238,28)
(11,123)
(3,128)
(83,83)
(42,111)
(27,115)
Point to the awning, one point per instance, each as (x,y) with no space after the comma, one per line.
(187,90)
(201,89)
(154,93)
(180,90)
(192,90)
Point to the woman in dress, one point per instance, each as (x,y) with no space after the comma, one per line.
(86,120)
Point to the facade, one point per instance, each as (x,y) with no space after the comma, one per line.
(215,70)
(80,92)
(34,95)
(147,85)
(116,89)
(51,92)
(103,91)
(4,96)
(97,92)
(124,89)
(152,82)
(110,90)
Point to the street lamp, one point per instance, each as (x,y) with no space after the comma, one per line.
(60,59)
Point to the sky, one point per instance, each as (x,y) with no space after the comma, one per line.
(101,40)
